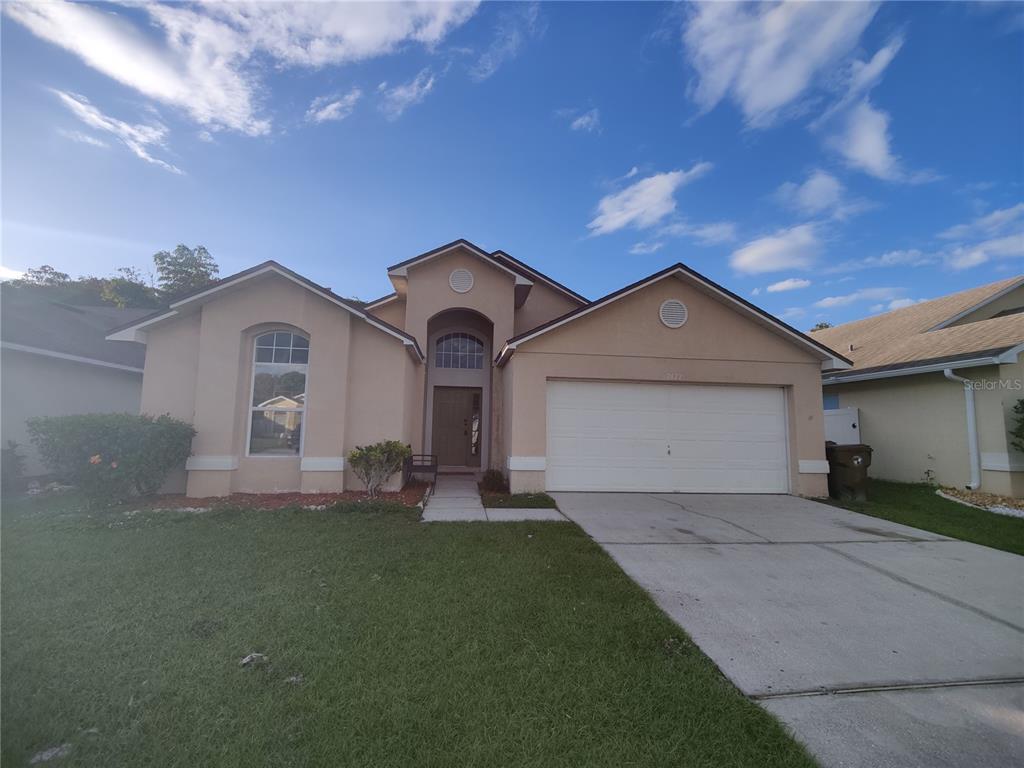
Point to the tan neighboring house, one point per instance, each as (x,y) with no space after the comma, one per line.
(671,384)
(935,384)
(56,361)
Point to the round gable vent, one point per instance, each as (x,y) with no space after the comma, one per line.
(673,313)
(461,280)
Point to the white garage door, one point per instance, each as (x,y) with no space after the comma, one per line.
(606,436)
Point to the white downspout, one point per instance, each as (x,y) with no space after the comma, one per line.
(972,428)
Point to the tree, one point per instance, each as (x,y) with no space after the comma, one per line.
(184,270)
(821,326)
(129,290)
(45,275)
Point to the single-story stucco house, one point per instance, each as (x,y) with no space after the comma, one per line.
(57,361)
(923,420)
(672,383)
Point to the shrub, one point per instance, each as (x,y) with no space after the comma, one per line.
(1017,433)
(374,464)
(494,481)
(112,456)
(12,469)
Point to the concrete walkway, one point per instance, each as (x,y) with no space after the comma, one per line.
(878,644)
(456,499)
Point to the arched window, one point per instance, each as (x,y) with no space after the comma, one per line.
(280,360)
(459,350)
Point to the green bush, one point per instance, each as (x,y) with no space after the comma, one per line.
(374,464)
(112,456)
(1017,433)
(12,469)
(494,481)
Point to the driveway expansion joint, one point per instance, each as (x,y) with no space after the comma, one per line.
(886,688)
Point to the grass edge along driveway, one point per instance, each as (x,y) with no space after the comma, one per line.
(390,643)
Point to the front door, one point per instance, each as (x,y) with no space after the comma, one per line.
(456,426)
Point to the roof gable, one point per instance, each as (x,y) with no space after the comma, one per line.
(830,359)
(136,331)
(402,268)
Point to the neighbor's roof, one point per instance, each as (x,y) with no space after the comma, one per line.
(920,335)
(32,322)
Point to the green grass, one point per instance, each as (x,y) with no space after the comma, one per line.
(919,506)
(518,500)
(515,644)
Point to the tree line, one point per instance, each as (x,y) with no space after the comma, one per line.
(178,272)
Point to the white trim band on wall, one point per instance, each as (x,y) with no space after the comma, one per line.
(322,464)
(813,466)
(201,463)
(1002,462)
(527,463)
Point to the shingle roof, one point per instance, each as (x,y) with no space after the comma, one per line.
(30,319)
(907,336)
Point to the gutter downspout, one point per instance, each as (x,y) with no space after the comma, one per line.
(972,428)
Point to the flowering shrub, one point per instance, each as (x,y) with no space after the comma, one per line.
(374,464)
(111,457)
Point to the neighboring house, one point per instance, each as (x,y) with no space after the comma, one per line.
(56,361)
(915,412)
(670,384)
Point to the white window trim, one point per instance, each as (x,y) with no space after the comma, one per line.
(250,408)
(484,355)
(527,463)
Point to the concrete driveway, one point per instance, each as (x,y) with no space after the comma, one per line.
(878,644)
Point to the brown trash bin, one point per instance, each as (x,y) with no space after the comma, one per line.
(848,471)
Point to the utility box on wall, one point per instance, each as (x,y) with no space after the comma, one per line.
(842,426)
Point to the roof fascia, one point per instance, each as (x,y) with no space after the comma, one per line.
(983,303)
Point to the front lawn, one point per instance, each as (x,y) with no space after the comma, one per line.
(919,506)
(389,643)
(517,500)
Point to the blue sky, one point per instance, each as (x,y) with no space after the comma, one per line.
(825,160)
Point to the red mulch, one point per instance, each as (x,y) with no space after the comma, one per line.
(410,496)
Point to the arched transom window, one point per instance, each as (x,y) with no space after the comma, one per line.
(280,360)
(459,350)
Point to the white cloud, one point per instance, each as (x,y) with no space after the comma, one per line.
(755,292)
(864,294)
(205,136)
(588,121)
(643,203)
(765,57)
(910,257)
(901,303)
(793,248)
(790,284)
(632,172)
(864,143)
(821,193)
(206,59)
(82,138)
(988,225)
(138,137)
(6,273)
(516,25)
(640,249)
(715,232)
(333,108)
(792,313)
(967,256)
(862,77)
(399,98)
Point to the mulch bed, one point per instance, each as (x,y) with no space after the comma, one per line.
(410,496)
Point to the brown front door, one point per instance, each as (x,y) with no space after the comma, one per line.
(456,426)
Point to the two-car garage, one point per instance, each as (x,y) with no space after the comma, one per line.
(672,437)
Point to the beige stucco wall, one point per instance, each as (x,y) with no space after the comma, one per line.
(392,312)
(428,293)
(199,368)
(543,304)
(917,426)
(33,385)
(626,341)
